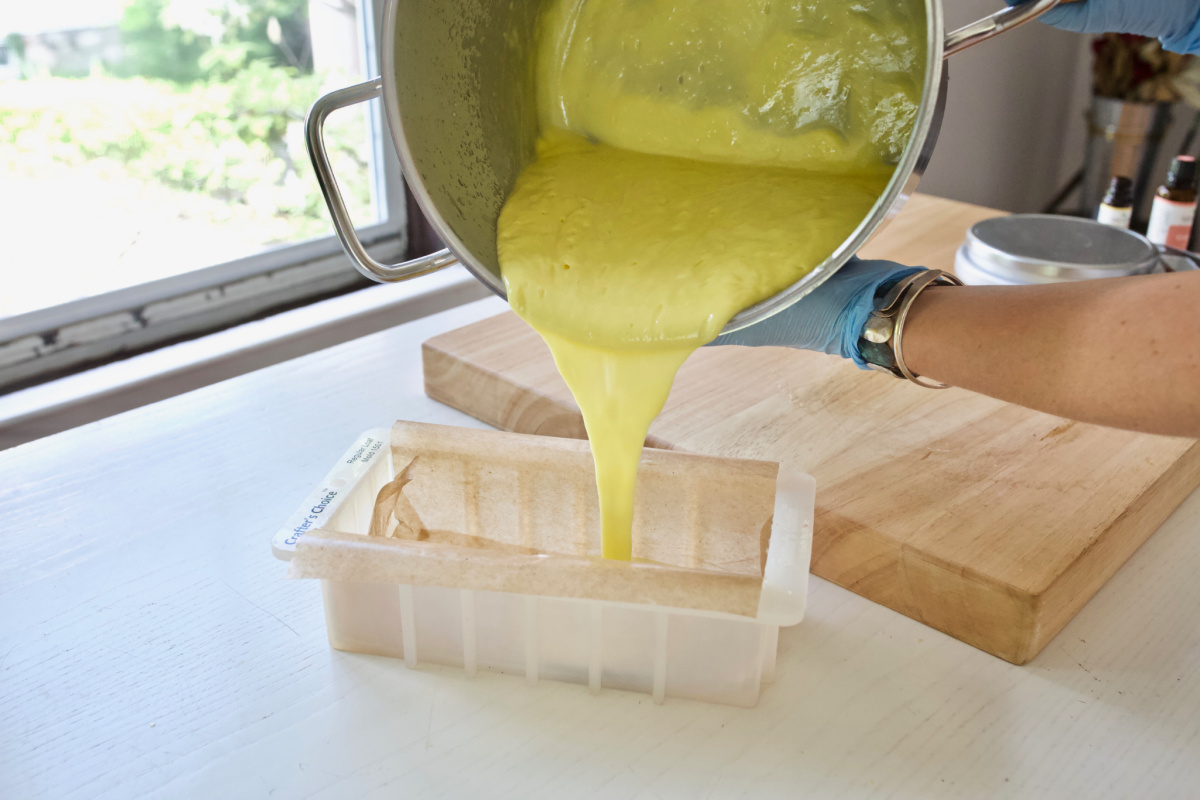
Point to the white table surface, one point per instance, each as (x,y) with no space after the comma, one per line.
(150,646)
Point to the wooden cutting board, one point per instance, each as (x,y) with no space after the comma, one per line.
(987,521)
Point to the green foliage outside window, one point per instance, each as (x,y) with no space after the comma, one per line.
(185,41)
(205,101)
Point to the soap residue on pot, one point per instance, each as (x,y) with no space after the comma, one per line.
(696,159)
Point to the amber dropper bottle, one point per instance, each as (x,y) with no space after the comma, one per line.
(1174,208)
(1117,207)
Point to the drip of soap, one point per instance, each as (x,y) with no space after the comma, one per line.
(625,263)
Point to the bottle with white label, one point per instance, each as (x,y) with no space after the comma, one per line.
(1174,208)
(1117,207)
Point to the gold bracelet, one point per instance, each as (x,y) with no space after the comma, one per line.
(885,326)
(913,291)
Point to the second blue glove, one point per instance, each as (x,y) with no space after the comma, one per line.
(1175,22)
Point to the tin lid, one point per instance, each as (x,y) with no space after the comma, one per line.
(1042,248)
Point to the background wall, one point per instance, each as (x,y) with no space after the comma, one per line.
(1014,130)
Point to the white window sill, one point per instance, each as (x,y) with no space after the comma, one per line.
(85,397)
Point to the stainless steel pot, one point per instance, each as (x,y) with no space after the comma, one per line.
(457,89)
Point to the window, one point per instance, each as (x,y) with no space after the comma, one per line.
(153,177)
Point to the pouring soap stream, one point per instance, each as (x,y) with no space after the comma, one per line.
(627,258)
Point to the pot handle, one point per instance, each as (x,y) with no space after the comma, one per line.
(996,24)
(314,130)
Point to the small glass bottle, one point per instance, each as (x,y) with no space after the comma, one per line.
(1117,207)
(1174,208)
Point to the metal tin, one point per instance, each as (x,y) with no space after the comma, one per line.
(1040,248)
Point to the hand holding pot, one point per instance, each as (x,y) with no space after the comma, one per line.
(831,318)
(1175,22)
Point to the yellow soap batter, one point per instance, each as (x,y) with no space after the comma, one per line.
(820,84)
(627,258)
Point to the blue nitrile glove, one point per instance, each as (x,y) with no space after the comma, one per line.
(831,319)
(1175,22)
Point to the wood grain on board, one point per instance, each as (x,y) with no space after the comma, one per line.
(987,521)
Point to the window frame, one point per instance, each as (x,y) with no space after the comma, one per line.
(46,343)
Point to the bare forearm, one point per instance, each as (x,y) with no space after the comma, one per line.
(1122,352)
